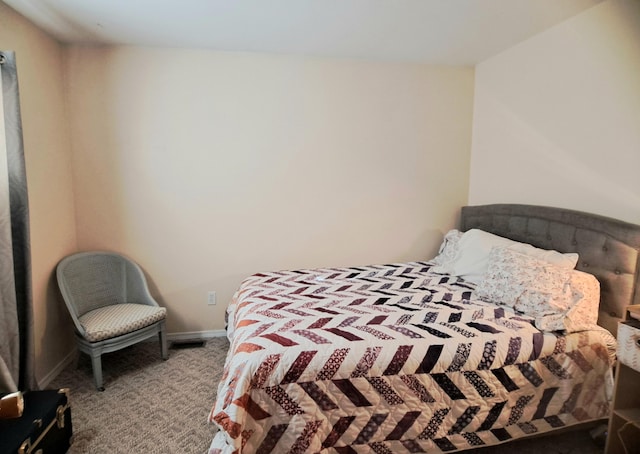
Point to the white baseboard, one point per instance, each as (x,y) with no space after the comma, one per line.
(53,373)
(196,335)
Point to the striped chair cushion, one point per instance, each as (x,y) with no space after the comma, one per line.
(111,321)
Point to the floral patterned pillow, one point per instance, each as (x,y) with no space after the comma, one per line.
(472,258)
(582,313)
(448,250)
(527,284)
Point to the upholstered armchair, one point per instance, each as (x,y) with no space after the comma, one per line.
(110,304)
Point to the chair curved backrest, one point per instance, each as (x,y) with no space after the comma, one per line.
(91,280)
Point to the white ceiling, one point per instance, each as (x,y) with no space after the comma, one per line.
(448,32)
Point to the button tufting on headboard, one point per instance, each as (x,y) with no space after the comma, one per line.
(573,231)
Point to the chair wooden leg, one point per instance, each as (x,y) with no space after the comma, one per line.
(96,364)
(163,342)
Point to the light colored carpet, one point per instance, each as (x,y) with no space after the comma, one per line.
(155,406)
(149,405)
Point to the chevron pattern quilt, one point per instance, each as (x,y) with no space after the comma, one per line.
(391,359)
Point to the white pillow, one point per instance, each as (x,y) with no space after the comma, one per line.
(475,245)
(582,313)
(527,284)
(448,248)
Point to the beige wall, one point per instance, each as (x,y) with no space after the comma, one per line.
(206,167)
(557,118)
(48,162)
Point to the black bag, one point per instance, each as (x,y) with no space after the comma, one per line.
(44,427)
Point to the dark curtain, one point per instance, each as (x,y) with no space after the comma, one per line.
(16,318)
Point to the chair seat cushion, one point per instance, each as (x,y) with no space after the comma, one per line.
(111,321)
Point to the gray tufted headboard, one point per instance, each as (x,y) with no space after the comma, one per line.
(609,249)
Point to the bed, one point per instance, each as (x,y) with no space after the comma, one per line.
(419,357)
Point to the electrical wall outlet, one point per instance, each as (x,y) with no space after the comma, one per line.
(211,298)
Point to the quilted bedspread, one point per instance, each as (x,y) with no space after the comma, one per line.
(394,358)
